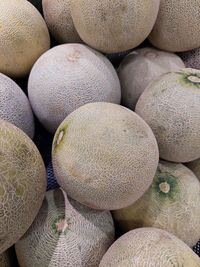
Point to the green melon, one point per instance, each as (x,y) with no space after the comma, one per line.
(65,233)
(100,152)
(149,247)
(170,106)
(23,183)
(171,203)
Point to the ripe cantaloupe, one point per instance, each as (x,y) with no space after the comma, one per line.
(114,25)
(104,156)
(65,234)
(67,77)
(177,27)
(23,37)
(191,58)
(14,106)
(37,4)
(195,167)
(149,247)
(7,259)
(141,67)
(59,21)
(171,203)
(170,105)
(23,183)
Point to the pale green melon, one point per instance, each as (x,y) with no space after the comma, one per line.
(65,234)
(170,106)
(100,152)
(114,25)
(23,183)
(149,247)
(171,203)
(141,67)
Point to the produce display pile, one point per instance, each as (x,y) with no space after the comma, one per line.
(99,133)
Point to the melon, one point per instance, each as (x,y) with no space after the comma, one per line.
(195,167)
(59,21)
(171,203)
(150,247)
(66,233)
(170,105)
(37,4)
(23,183)
(67,77)
(191,58)
(177,27)
(141,67)
(104,156)
(114,25)
(15,107)
(7,258)
(23,37)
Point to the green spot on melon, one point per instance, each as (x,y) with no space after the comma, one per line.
(61,225)
(189,78)
(60,136)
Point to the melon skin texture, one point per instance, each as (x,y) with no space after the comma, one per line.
(195,167)
(7,259)
(23,183)
(170,106)
(177,26)
(57,15)
(149,247)
(23,37)
(171,203)
(99,154)
(141,67)
(15,107)
(113,25)
(191,58)
(67,77)
(66,233)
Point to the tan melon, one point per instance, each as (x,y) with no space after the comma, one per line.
(15,107)
(171,203)
(23,37)
(100,152)
(67,77)
(191,58)
(177,26)
(170,105)
(114,25)
(141,67)
(149,247)
(23,183)
(195,167)
(66,234)
(59,21)
(7,258)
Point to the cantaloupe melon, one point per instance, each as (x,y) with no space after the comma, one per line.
(171,203)
(7,258)
(14,106)
(149,247)
(170,105)
(191,58)
(114,25)
(177,27)
(66,234)
(67,77)
(59,21)
(23,37)
(104,156)
(141,67)
(195,167)
(23,183)
(37,4)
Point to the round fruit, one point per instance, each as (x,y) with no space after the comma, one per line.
(171,203)
(66,233)
(114,25)
(23,37)
(15,107)
(59,21)
(7,259)
(170,106)
(23,183)
(104,156)
(177,26)
(141,67)
(149,247)
(191,58)
(195,167)
(67,77)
